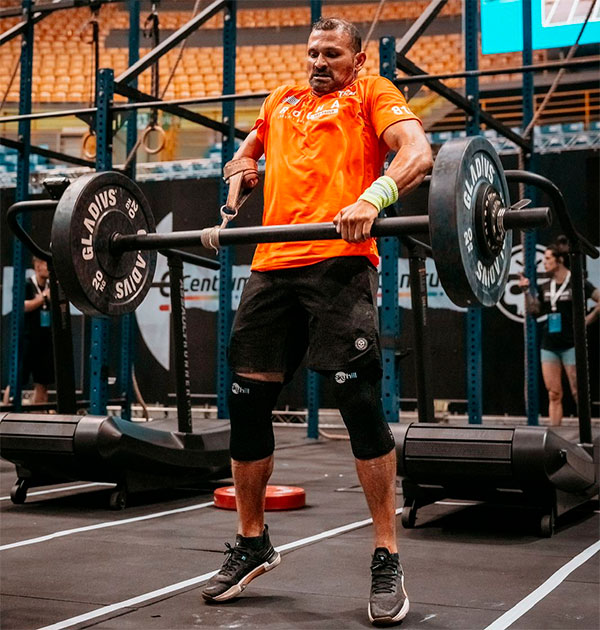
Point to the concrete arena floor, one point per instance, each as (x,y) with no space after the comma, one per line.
(466,565)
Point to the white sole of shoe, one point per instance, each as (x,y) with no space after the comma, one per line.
(236,589)
(385,621)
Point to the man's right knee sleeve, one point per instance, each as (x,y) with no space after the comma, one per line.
(251,405)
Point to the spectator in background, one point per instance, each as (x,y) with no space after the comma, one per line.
(554,298)
(38,356)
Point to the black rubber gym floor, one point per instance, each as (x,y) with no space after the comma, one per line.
(67,561)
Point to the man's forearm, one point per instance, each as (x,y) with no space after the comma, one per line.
(409,167)
(251,147)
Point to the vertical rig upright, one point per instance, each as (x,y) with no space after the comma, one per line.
(313,379)
(389,249)
(474,324)
(101,325)
(22,193)
(127,323)
(529,238)
(134,55)
(225,315)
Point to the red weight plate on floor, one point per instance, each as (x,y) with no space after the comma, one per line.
(278,498)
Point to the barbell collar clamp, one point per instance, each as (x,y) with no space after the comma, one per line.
(500,227)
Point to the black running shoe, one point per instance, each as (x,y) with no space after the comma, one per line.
(244,562)
(388,603)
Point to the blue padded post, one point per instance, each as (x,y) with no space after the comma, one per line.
(389,249)
(474,325)
(20,253)
(225,315)
(101,325)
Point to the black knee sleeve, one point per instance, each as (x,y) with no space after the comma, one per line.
(250,407)
(358,397)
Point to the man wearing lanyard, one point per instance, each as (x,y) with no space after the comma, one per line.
(38,355)
(555,299)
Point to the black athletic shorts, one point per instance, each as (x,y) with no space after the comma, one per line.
(329,308)
(38,361)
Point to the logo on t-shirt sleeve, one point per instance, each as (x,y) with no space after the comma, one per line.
(401,110)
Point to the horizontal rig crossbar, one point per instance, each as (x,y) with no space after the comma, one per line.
(55,155)
(550,65)
(199,100)
(460,101)
(120,107)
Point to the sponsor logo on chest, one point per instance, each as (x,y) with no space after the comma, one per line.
(325,110)
(289,107)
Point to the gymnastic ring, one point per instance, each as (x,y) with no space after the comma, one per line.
(90,155)
(161,139)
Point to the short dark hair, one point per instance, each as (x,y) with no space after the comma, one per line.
(334,24)
(560,249)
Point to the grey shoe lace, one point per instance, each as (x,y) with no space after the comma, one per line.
(384,574)
(235,557)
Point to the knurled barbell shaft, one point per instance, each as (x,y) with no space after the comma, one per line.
(393,226)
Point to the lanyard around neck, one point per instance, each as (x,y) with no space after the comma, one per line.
(35,284)
(554,294)
(37,288)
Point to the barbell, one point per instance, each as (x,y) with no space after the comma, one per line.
(104,244)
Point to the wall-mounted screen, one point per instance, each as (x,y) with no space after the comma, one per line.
(555,23)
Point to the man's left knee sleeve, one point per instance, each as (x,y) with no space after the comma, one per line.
(358,397)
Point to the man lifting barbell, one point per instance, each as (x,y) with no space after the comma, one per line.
(324,145)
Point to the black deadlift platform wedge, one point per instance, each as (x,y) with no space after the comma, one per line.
(50,449)
(531,466)
(136,456)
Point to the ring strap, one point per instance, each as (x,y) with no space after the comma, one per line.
(233,173)
(209,237)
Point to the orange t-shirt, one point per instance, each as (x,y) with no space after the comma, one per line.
(321,153)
